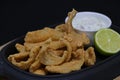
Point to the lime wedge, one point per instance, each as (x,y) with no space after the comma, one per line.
(107,41)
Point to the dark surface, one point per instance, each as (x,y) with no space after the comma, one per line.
(17,16)
(106,68)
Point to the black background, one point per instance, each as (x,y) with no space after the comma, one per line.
(18,17)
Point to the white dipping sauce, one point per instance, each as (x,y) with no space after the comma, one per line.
(90,21)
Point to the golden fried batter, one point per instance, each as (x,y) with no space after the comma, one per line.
(59,50)
(20,48)
(42,35)
(90,57)
(48,58)
(24,64)
(29,46)
(18,56)
(40,72)
(67,67)
(35,66)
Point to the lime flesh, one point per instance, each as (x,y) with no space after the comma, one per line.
(107,41)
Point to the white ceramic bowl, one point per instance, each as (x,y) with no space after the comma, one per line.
(90,22)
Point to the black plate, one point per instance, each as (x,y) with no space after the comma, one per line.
(106,68)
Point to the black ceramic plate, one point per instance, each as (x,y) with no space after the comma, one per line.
(106,68)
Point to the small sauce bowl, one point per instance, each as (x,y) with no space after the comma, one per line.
(90,23)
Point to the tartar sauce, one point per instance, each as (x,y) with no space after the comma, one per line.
(90,21)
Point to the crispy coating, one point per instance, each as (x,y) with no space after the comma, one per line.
(77,40)
(56,44)
(38,35)
(20,47)
(42,35)
(67,67)
(68,24)
(78,54)
(24,64)
(61,28)
(90,57)
(35,66)
(69,49)
(18,56)
(29,46)
(59,50)
(40,72)
(48,58)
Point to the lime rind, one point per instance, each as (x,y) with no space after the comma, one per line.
(100,47)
